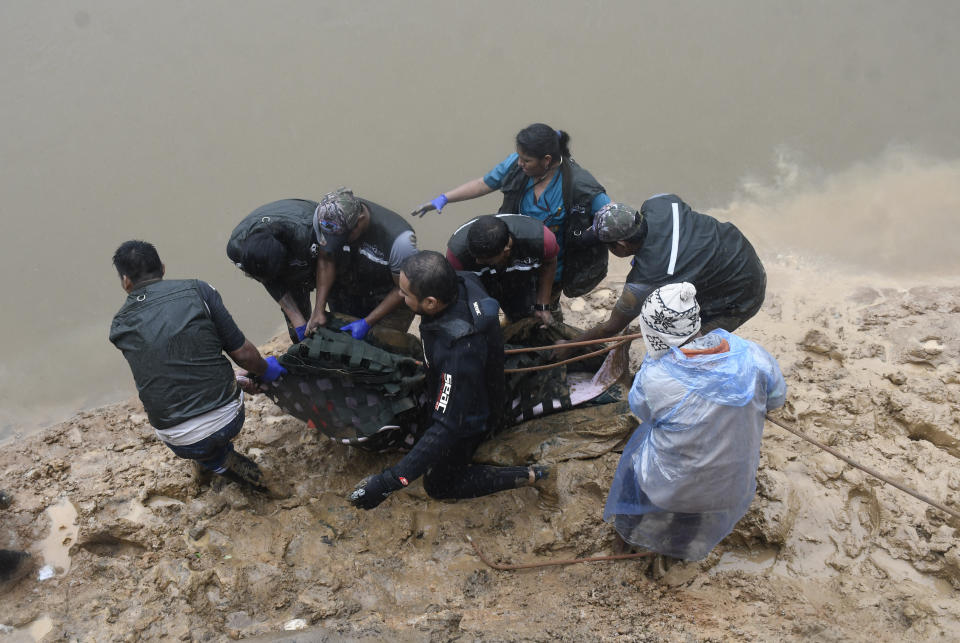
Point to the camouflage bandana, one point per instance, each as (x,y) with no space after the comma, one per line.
(335,217)
(615,222)
(669,317)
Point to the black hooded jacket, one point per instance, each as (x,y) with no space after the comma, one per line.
(463,347)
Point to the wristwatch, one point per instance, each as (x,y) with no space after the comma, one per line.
(541,307)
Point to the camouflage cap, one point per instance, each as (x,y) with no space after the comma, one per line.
(615,222)
(335,217)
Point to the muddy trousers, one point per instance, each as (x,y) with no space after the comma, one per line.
(456,477)
(211,452)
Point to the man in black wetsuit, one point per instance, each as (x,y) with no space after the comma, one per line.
(463,346)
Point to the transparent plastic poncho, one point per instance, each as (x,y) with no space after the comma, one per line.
(688,473)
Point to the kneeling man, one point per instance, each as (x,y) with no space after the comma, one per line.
(689,472)
(463,347)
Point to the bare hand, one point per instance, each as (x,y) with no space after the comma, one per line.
(545,316)
(317,319)
(246,383)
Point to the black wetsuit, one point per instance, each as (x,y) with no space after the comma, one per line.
(463,346)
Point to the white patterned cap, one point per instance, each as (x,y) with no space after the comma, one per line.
(669,317)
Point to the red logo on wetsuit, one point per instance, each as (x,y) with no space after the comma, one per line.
(444,396)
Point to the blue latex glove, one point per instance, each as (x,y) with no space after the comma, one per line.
(274,370)
(435,204)
(301,332)
(357,329)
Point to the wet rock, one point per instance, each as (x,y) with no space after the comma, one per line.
(215,544)
(772,520)
(816,341)
(865,295)
(236,623)
(898,378)
(208,506)
(826,466)
(236,496)
(323,603)
(437,620)
(263,584)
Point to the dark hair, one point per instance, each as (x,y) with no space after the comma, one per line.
(540,139)
(262,255)
(137,261)
(430,275)
(487,237)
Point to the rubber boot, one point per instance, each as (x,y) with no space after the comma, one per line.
(545,481)
(201,474)
(244,471)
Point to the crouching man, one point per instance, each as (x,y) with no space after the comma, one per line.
(516,259)
(463,346)
(173,334)
(688,473)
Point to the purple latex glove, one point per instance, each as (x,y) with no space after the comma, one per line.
(301,332)
(357,329)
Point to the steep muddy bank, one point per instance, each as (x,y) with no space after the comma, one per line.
(825,550)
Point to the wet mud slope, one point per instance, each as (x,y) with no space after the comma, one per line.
(143,548)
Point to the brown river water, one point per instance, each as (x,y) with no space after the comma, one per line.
(825,129)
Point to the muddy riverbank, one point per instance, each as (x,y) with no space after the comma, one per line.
(143,549)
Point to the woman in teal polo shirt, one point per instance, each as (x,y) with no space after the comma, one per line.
(542,181)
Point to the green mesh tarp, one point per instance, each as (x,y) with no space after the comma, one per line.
(370,393)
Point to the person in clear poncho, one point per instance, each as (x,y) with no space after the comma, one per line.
(688,473)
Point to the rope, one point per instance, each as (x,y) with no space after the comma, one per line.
(873,472)
(566,561)
(570,360)
(586,342)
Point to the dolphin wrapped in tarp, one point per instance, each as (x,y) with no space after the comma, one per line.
(370,394)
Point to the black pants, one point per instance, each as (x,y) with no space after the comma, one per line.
(734,319)
(455,476)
